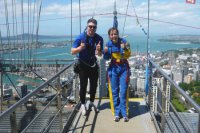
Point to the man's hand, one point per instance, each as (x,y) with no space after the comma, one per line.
(122,45)
(78,49)
(82,45)
(106,49)
(125,46)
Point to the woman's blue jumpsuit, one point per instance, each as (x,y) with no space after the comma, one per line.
(118,77)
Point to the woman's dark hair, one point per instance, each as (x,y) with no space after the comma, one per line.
(92,20)
(111,29)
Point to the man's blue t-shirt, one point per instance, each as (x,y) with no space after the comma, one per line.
(88,54)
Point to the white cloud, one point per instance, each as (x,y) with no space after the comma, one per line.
(176,12)
(16,6)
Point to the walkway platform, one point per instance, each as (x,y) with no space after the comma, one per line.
(102,122)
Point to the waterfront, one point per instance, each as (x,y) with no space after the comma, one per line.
(60,49)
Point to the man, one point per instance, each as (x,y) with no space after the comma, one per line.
(86,46)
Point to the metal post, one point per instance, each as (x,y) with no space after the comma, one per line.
(59,101)
(76,88)
(1,88)
(199,124)
(150,95)
(13,122)
(148,32)
(149,91)
(64,91)
(80,15)
(163,88)
(56,66)
(71,23)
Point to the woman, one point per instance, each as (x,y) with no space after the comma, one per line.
(118,51)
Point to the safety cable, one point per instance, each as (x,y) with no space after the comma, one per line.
(94,10)
(110,14)
(71,22)
(167,22)
(80,14)
(137,19)
(13,30)
(28,25)
(16,30)
(125,18)
(33,45)
(30,36)
(38,22)
(8,28)
(148,55)
(1,44)
(148,45)
(22,32)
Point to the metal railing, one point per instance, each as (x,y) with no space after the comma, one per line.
(47,108)
(163,112)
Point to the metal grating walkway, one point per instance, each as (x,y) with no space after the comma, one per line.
(140,120)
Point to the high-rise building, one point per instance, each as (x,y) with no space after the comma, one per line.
(168,95)
(133,86)
(141,83)
(196,75)
(178,76)
(157,95)
(154,93)
(24,90)
(189,78)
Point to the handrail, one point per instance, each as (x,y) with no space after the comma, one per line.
(40,113)
(186,127)
(189,99)
(24,99)
(38,60)
(164,97)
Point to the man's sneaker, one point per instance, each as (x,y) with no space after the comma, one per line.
(126,119)
(116,118)
(94,107)
(83,109)
(88,105)
(91,106)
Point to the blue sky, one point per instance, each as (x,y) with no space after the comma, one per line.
(55,16)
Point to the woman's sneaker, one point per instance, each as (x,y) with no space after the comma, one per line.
(83,109)
(126,119)
(116,118)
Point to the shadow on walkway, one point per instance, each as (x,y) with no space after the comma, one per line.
(135,108)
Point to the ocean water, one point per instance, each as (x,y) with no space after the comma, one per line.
(16,79)
(140,44)
(137,44)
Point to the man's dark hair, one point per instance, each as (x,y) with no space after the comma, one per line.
(92,20)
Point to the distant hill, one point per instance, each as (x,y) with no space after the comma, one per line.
(192,39)
(26,36)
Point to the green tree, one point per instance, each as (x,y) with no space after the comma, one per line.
(184,86)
